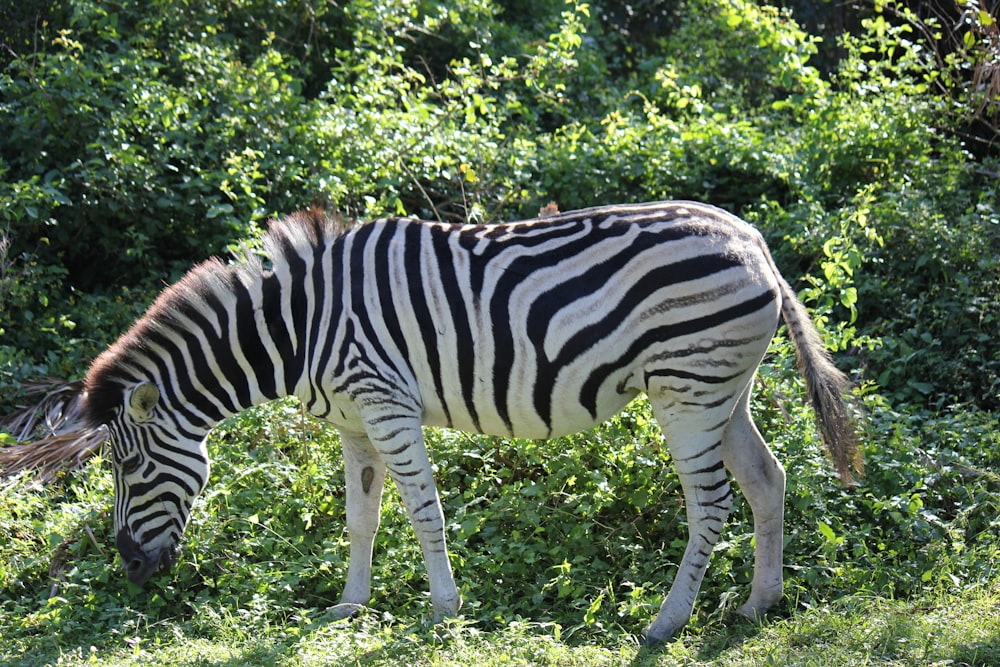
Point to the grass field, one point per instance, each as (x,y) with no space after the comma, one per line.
(558,554)
(854,631)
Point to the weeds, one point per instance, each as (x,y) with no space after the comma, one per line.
(577,536)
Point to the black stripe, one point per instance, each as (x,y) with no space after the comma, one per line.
(296,364)
(470,236)
(712,404)
(715,467)
(274,319)
(169,454)
(334,284)
(421,312)
(204,371)
(248,337)
(503,357)
(515,274)
(318,295)
(676,273)
(157,501)
(717,503)
(145,533)
(588,393)
(688,375)
(692,268)
(290,346)
(225,359)
(713,487)
(390,436)
(451,292)
(596,278)
(385,285)
(360,278)
(178,397)
(142,488)
(712,448)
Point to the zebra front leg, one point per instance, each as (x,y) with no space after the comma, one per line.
(762,481)
(399,441)
(364,474)
(708,497)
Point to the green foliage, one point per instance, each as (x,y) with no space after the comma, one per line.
(952,48)
(151,175)
(742,55)
(578,535)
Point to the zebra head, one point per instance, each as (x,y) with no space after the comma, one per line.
(159,470)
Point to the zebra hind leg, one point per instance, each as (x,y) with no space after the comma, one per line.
(365,478)
(697,454)
(762,482)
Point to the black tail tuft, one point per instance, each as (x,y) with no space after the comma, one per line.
(827,386)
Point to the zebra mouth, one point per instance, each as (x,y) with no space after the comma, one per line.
(139,565)
(168,558)
(140,568)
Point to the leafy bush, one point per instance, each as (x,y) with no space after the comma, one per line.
(150,176)
(161,143)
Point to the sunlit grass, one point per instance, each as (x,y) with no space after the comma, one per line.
(854,631)
(563,551)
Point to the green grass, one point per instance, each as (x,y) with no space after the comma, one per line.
(562,550)
(854,631)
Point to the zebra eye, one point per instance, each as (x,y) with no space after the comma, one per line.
(131,464)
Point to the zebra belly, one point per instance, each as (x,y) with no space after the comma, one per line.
(695,370)
(570,419)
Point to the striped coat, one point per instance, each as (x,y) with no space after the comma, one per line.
(532,329)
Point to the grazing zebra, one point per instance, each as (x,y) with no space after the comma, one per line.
(530,329)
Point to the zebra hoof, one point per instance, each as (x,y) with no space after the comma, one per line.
(753,613)
(345,610)
(757,606)
(652,641)
(660,630)
(447,608)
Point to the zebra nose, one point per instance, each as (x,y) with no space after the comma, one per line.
(139,567)
(136,571)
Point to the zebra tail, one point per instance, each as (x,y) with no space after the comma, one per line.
(827,386)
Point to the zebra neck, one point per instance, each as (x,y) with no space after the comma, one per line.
(236,350)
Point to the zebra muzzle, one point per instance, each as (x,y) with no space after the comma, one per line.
(140,565)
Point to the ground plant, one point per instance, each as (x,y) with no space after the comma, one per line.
(137,138)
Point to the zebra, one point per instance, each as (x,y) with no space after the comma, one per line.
(529,329)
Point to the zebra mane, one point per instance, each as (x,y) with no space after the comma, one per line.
(119,366)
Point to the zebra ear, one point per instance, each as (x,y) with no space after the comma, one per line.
(141,401)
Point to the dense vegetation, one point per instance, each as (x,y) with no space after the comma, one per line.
(139,137)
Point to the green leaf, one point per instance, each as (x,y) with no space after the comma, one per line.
(827,532)
(219,209)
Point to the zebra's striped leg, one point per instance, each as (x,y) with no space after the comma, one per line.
(365,478)
(399,441)
(762,481)
(698,459)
